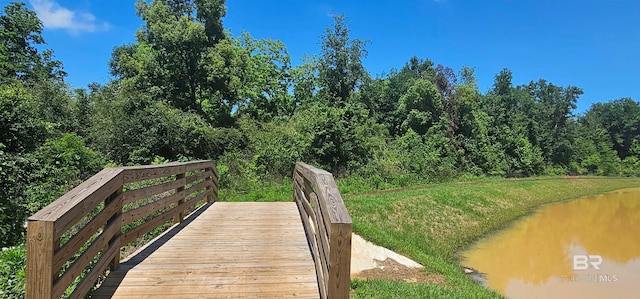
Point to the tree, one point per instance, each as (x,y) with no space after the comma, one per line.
(382,96)
(21,132)
(265,83)
(515,130)
(554,105)
(422,105)
(340,69)
(594,149)
(342,133)
(304,79)
(621,120)
(342,139)
(173,53)
(20,33)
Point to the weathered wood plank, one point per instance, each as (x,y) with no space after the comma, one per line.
(313,243)
(144,228)
(322,228)
(191,202)
(196,187)
(196,165)
(142,173)
(327,191)
(199,176)
(115,240)
(148,209)
(339,260)
(137,194)
(180,190)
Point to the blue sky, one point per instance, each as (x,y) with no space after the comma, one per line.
(594,45)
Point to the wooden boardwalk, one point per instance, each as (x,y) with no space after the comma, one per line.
(226,250)
(296,249)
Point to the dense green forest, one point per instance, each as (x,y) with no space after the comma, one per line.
(188,89)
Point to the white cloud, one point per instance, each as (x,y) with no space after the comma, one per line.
(54,16)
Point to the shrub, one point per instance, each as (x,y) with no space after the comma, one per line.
(12,271)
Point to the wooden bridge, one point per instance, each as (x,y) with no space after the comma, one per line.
(187,244)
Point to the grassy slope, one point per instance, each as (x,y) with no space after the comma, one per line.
(433,224)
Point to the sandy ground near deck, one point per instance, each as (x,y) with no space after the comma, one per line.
(370,261)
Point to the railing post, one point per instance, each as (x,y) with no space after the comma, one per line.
(180,216)
(115,263)
(39,271)
(211,198)
(339,260)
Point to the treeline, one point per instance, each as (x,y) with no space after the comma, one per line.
(187,89)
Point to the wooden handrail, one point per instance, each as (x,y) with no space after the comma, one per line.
(93,217)
(328,228)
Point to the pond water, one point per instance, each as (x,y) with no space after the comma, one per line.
(586,248)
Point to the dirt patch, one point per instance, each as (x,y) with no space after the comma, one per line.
(389,269)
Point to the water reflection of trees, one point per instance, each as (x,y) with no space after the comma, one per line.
(541,247)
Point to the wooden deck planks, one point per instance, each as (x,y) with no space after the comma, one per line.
(230,250)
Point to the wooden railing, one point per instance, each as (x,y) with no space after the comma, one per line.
(82,232)
(328,228)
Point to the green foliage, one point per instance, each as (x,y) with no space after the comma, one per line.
(422,105)
(20,129)
(304,81)
(342,139)
(275,146)
(263,91)
(13,261)
(64,162)
(20,33)
(187,90)
(136,130)
(621,119)
(399,289)
(15,177)
(340,69)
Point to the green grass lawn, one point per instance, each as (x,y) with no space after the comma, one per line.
(433,224)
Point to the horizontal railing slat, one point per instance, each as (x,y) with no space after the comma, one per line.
(148,209)
(148,225)
(69,249)
(195,165)
(196,187)
(198,176)
(154,222)
(322,234)
(99,244)
(88,282)
(192,201)
(143,173)
(137,194)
